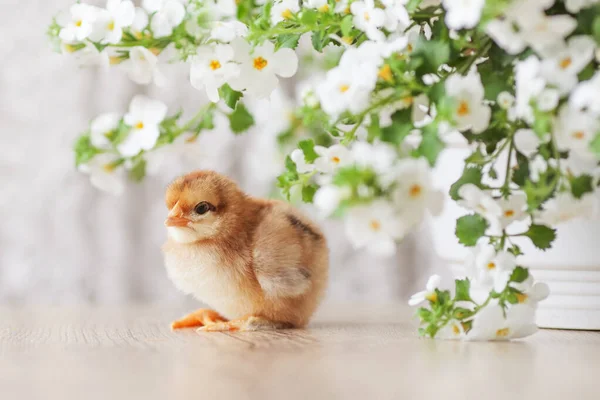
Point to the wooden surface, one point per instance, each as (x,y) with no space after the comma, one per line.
(347,353)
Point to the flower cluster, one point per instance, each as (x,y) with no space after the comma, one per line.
(390,84)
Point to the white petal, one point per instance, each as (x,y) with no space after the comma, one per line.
(286,62)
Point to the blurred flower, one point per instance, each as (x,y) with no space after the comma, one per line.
(109,24)
(227,31)
(585,95)
(320,5)
(368,19)
(428,294)
(513,208)
(562,66)
(532,293)
(299,159)
(574,131)
(378,156)
(453,330)
(565,207)
(537,166)
(529,84)
(81,24)
(213,66)
(490,324)
(479,201)
(140,22)
(467,92)
(331,158)
(142,66)
(463,13)
(101,170)
(328,198)
(574,6)
(101,126)
(144,117)
(169,16)
(283,9)
(396,16)
(505,100)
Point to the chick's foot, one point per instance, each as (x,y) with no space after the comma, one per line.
(202,317)
(248,323)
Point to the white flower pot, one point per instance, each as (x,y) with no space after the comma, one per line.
(571,268)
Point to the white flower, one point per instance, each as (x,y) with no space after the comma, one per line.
(320,5)
(213,66)
(532,293)
(368,19)
(414,192)
(585,95)
(489,323)
(428,294)
(328,198)
(331,158)
(109,24)
(574,6)
(299,159)
(81,23)
(548,99)
(396,16)
(144,118)
(543,32)
(347,87)
(468,94)
(101,126)
(479,201)
(529,84)
(375,226)
(284,9)
(140,22)
(152,5)
(565,207)
(488,268)
(342,7)
(504,34)
(102,173)
(574,131)
(505,100)
(169,16)
(537,166)
(453,330)
(513,209)
(562,67)
(222,9)
(378,156)
(526,141)
(227,31)
(142,67)
(259,67)
(88,55)
(463,13)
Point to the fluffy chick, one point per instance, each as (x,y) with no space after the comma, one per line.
(259,263)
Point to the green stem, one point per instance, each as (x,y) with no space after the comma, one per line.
(486,44)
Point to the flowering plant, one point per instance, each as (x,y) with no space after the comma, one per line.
(392,82)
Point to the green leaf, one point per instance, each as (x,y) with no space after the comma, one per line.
(309,17)
(596,29)
(308,148)
(541,236)
(207,122)
(431,145)
(433,54)
(521,172)
(540,191)
(84,151)
(240,119)
(512,298)
(412,5)
(319,39)
(346,25)
(470,228)
(288,40)
(138,171)
(230,96)
(519,275)
(581,185)
(374,130)
(461,313)
(308,192)
(400,127)
(463,287)
(470,175)
(290,165)
(595,145)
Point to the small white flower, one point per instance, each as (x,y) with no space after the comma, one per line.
(537,166)
(152,5)
(574,6)
(479,201)
(368,19)
(342,7)
(109,24)
(453,330)
(488,268)
(142,67)
(543,32)
(227,31)
(284,9)
(375,226)
(468,94)
(505,100)
(144,118)
(490,324)
(463,13)
(102,173)
(529,84)
(346,88)
(532,293)
(548,99)
(87,56)
(222,9)
(585,95)
(378,156)
(140,22)
(169,16)
(260,67)
(328,198)
(562,67)
(320,5)
(101,126)
(396,16)
(331,158)
(504,34)
(565,207)
(526,141)
(428,294)
(513,209)
(81,23)
(213,66)
(299,159)
(574,131)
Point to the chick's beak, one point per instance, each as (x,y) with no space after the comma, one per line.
(177,221)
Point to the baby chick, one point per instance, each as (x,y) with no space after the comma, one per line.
(260,263)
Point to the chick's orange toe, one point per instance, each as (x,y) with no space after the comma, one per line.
(201,317)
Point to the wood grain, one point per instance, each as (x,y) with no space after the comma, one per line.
(347,353)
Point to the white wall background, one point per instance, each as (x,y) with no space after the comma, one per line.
(62,241)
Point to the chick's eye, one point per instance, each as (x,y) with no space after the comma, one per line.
(203,208)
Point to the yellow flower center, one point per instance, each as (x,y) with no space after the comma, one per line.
(214,64)
(521,297)
(463,108)
(286,14)
(415,191)
(111,26)
(335,159)
(108,168)
(456,329)
(347,10)
(409,48)
(565,62)
(385,73)
(260,63)
(491,265)
(344,88)
(139,125)
(114,60)
(78,23)
(432,297)
(367,16)
(509,213)
(375,225)
(502,332)
(348,39)
(69,48)
(578,135)
(324,8)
